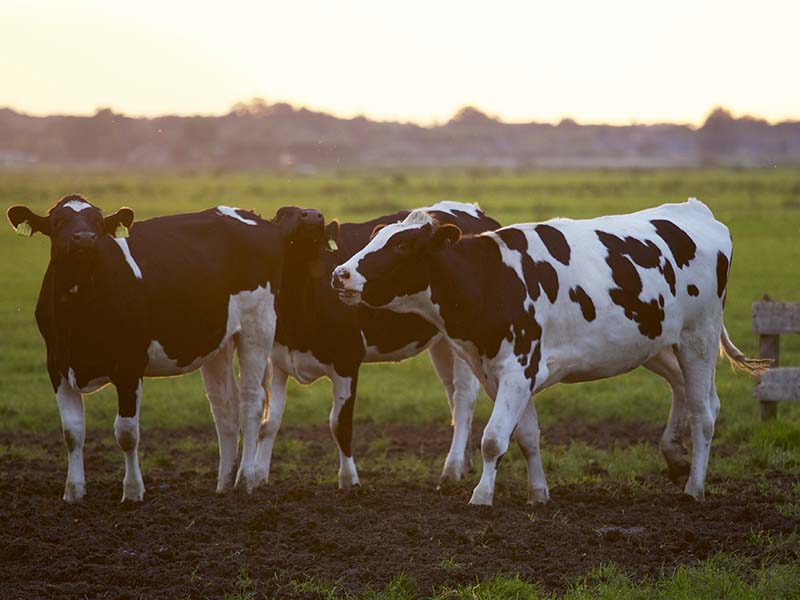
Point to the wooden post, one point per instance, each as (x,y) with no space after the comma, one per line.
(769,347)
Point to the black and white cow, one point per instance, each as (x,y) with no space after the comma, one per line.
(180,293)
(319,336)
(528,306)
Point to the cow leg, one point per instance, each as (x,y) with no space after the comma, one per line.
(271,424)
(461,387)
(666,364)
(513,395)
(253,359)
(126,430)
(222,392)
(70,406)
(527,436)
(341,423)
(697,355)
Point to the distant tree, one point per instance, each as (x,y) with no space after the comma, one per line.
(199,131)
(718,137)
(255,107)
(469,115)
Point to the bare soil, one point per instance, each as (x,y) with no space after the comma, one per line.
(185,541)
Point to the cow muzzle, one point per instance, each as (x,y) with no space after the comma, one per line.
(83,240)
(345,284)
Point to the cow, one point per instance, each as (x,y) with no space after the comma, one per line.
(318,336)
(161,297)
(531,305)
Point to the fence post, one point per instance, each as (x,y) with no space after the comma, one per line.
(769,347)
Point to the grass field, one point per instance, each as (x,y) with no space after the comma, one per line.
(761,208)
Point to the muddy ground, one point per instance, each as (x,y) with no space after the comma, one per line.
(184,541)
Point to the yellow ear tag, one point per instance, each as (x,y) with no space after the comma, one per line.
(332,247)
(25,229)
(121,231)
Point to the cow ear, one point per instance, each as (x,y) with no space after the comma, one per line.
(332,235)
(444,236)
(117,225)
(376,229)
(26,222)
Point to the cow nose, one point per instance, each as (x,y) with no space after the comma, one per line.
(84,239)
(340,275)
(311,216)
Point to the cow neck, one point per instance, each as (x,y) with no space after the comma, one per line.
(456,285)
(75,308)
(296,294)
(74,280)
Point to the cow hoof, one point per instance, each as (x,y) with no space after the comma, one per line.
(348,480)
(224,488)
(678,473)
(481,497)
(538,495)
(349,484)
(261,478)
(452,473)
(132,491)
(74,492)
(225,483)
(698,495)
(248,484)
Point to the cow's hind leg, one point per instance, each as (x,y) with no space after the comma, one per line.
(271,424)
(697,354)
(126,430)
(223,397)
(253,359)
(341,424)
(666,364)
(70,406)
(527,436)
(461,387)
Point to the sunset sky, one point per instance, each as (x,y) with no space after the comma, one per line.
(618,61)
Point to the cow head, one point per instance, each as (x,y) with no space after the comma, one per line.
(302,227)
(305,233)
(73,225)
(395,261)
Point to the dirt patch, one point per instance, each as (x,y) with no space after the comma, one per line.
(186,541)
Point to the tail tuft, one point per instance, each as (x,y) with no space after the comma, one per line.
(754,366)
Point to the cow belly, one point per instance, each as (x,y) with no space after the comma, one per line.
(248,310)
(600,357)
(303,366)
(373,353)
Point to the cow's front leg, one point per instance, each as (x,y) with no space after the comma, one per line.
(341,423)
(70,406)
(513,395)
(126,430)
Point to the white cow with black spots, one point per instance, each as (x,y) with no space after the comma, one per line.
(528,306)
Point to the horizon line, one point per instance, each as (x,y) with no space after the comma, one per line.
(255,101)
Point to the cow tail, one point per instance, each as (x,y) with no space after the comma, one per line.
(754,366)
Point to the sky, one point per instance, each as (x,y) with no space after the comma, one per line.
(615,61)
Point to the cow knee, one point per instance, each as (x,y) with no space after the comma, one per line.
(126,430)
(73,439)
(492,448)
